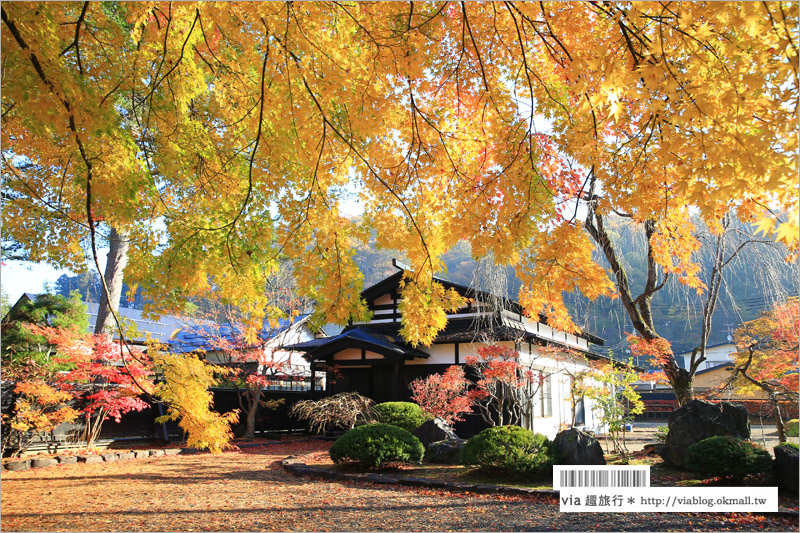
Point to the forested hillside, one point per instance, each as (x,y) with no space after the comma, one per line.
(757,277)
(754,279)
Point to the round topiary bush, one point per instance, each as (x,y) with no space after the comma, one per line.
(509,450)
(791,428)
(374,445)
(406,415)
(726,456)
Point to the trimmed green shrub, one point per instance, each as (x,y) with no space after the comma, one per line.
(509,450)
(406,415)
(790,445)
(374,445)
(791,428)
(661,434)
(726,456)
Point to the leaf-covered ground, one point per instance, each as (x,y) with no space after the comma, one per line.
(248,491)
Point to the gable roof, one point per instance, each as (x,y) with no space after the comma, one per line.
(391,346)
(392,283)
(211,336)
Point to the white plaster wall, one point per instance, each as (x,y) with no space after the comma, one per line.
(714,356)
(440,354)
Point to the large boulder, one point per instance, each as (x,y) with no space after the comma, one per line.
(446,452)
(577,447)
(697,420)
(787,468)
(434,431)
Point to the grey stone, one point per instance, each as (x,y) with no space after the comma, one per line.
(110,457)
(141,454)
(172,451)
(445,451)
(67,459)
(434,431)
(41,462)
(17,466)
(90,459)
(787,468)
(577,447)
(156,453)
(126,456)
(697,420)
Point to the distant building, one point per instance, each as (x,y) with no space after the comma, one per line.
(716,355)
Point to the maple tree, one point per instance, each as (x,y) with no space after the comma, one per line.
(106,382)
(767,362)
(252,364)
(214,138)
(38,409)
(505,389)
(446,396)
(185,391)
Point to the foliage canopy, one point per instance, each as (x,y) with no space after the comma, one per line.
(220,136)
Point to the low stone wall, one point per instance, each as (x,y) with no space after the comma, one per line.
(295,466)
(92,458)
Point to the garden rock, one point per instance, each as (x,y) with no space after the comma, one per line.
(787,468)
(698,420)
(110,457)
(17,466)
(156,453)
(67,459)
(446,452)
(41,462)
(141,454)
(89,459)
(434,431)
(577,447)
(125,456)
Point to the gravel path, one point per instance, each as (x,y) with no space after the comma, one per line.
(248,491)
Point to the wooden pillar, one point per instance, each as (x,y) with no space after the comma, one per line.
(396,381)
(313,379)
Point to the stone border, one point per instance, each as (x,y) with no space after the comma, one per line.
(294,465)
(106,456)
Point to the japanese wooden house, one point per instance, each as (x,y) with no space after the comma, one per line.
(373,359)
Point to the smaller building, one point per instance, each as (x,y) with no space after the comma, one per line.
(716,355)
(227,344)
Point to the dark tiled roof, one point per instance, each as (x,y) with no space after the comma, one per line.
(717,367)
(387,344)
(211,336)
(160,330)
(392,282)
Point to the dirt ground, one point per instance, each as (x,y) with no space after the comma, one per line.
(249,491)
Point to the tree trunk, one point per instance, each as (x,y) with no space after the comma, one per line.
(254,399)
(115,268)
(639,307)
(681,381)
(779,422)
